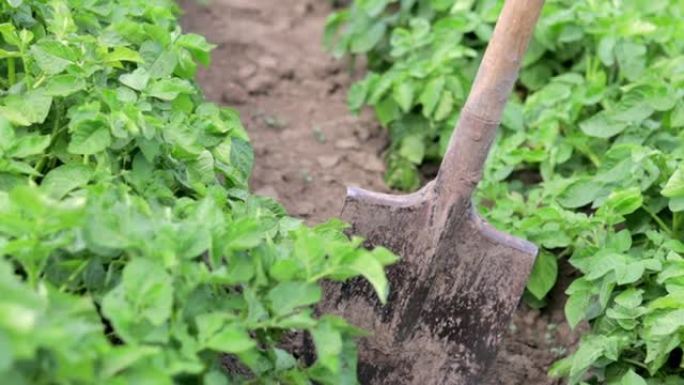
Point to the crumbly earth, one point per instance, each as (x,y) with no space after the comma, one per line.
(269,64)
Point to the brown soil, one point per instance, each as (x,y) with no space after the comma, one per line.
(270,65)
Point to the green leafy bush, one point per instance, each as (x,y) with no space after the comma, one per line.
(132,251)
(588,163)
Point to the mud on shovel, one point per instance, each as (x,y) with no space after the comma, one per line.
(459,280)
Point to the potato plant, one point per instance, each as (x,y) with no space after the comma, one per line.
(131,251)
(588,163)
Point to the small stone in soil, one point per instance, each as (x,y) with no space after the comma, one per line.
(319,135)
(267,62)
(362,132)
(368,162)
(234,94)
(259,84)
(246,71)
(268,191)
(274,122)
(304,208)
(347,144)
(328,161)
(306,176)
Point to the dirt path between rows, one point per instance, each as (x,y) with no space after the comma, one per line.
(269,64)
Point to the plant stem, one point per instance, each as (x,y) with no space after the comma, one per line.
(659,221)
(676,219)
(11,71)
(635,363)
(53,135)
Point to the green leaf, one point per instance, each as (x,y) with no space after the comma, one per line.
(576,307)
(287,296)
(579,193)
(89,138)
(602,125)
(121,53)
(675,185)
(631,378)
(590,350)
(666,324)
(369,38)
(52,56)
(61,23)
(606,49)
(372,7)
(164,65)
(387,111)
(136,80)
(445,106)
(373,270)
(63,85)
(231,339)
(328,342)
(625,202)
(149,288)
(169,89)
(677,116)
(29,145)
(6,134)
(357,95)
(544,274)
(431,95)
(631,58)
(403,92)
(198,46)
(64,179)
(24,110)
(413,148)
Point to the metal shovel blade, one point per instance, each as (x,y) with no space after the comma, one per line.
(459,280)
(451,295)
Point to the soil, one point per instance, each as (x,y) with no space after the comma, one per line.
(269,64)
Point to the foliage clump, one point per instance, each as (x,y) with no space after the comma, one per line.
(130,248)
(587,165)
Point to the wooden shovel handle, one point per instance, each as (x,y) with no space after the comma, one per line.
(462,166)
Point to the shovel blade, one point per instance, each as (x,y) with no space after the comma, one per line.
(452,294)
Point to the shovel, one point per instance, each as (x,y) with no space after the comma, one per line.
(459,280)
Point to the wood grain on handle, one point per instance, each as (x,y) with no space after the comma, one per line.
(462,166)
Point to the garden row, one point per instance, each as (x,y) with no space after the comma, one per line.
(588,163)
(130,248)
